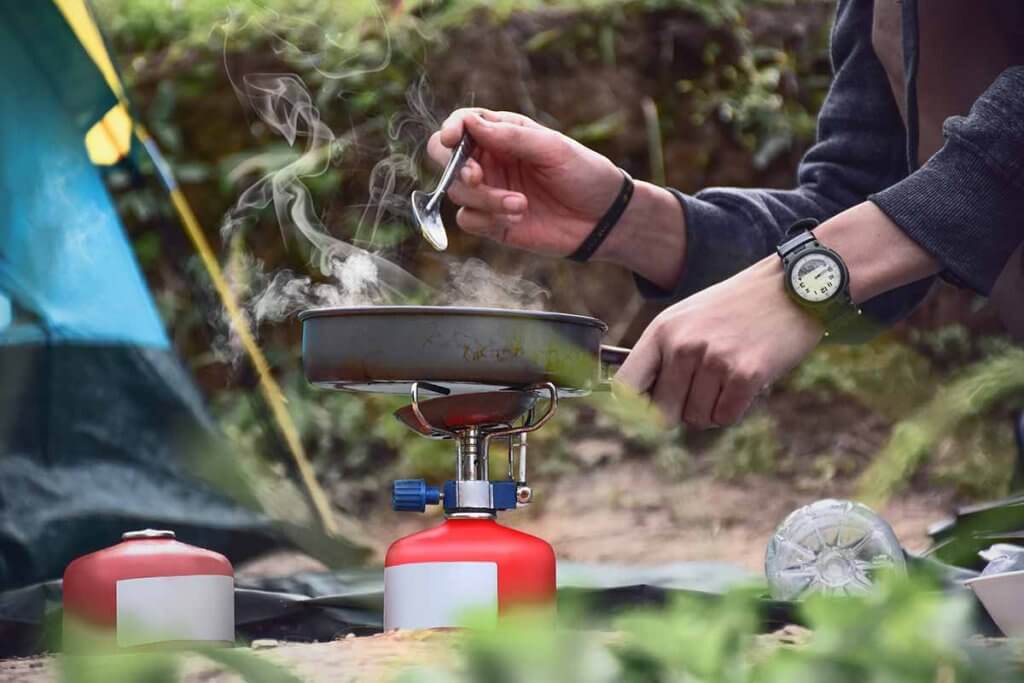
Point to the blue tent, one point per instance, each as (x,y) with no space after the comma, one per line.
(97,415)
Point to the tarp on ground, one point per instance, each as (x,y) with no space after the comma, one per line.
(321,606)
(97,415)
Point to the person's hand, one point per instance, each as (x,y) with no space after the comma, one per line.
(705,359)
(527,186)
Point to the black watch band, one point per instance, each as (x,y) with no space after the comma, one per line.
(841,318)
(604,226)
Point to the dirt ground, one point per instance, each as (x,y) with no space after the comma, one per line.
(624,512)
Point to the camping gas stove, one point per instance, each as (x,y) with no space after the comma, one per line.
(470,561)
(491,375)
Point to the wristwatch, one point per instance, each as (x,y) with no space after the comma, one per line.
(817,280)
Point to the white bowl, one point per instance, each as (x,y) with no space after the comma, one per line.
(1003,598)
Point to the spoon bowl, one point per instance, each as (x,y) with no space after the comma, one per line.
(426,207)
(429,219)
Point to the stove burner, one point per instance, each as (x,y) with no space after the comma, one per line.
(473,421)
(459,411)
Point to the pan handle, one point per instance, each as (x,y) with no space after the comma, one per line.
(611,358)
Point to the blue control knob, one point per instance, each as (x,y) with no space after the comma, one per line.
(413,495)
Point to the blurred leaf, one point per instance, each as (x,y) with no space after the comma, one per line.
(601,129)
(749,447)
(252,668)
(978,388)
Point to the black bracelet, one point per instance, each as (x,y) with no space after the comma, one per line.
(604,226)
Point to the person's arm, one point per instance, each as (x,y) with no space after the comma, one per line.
(965,205)
(704,359)
(861,149)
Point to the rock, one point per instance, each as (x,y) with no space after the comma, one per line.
(264,644)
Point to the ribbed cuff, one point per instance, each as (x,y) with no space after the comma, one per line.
(713,251)
(962,211)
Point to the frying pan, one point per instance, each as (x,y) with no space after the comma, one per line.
(453,350)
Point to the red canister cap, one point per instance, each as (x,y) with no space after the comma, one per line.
(151,588)
(147,533)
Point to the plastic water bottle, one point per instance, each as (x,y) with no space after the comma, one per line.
(836,547)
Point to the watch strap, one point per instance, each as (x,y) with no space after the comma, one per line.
(801,226)
(846,323)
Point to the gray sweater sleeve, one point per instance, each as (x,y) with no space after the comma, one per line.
(965,205)
(860,150)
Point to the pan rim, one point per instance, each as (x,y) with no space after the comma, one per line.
(482,311)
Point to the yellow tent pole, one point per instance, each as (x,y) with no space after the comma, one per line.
(107,142)
(268,385)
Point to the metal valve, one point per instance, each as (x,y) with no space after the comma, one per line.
(413,495)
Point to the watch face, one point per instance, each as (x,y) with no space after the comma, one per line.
(816,277)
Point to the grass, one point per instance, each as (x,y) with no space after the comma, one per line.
(903,631)
(750,447)
(978,388)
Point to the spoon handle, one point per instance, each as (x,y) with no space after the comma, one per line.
(462,152)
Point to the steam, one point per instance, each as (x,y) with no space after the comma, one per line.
(474,283)
(284,104)
(351,272)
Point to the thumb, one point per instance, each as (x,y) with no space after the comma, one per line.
(540,146)
(641,367)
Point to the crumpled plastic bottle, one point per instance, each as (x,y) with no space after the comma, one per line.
(836,547)
(1002,558)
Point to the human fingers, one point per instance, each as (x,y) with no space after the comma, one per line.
(738,393)
(487,199)
(703,394)
(489,225)
(674,383)
(536,145)
(452,128)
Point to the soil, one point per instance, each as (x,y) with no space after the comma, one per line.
(627,513)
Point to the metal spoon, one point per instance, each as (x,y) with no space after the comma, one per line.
(426,208)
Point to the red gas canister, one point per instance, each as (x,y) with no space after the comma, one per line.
(432,577)
(151,589)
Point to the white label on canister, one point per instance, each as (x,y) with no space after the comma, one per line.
(433,594)
(199,607)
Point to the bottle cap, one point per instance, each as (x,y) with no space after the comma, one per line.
(147,533)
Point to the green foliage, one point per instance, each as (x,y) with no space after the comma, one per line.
(94,656)
(903,631)
(979,388)
(166,666)
(747,96)
(697,638)
(750,447)
(977,458)
(885,375)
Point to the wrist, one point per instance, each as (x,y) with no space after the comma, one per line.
(771,274)
(650,237)
(878,254)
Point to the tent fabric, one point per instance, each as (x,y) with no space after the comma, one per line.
(97,440)
(64,256)
(98,418)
